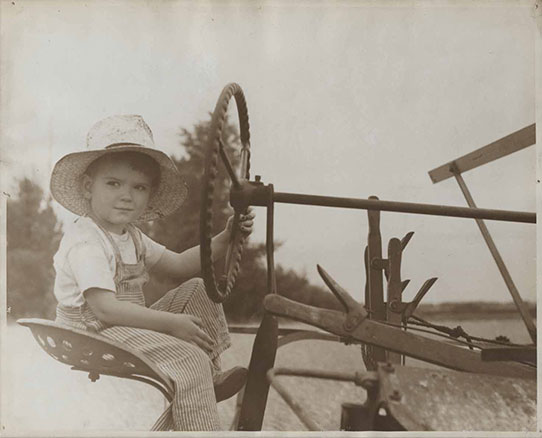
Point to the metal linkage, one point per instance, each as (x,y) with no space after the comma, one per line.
(289,335)
(392,338)
(407,309)
(301,413)
(395,287)
(408,394)
(520,304)
(374,289)
(504,146)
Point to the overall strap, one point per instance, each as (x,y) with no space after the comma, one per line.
(116,250)
(135,233)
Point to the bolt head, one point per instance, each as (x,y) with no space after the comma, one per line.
(395,395)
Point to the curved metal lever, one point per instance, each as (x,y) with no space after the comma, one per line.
(355,312)
(409,310)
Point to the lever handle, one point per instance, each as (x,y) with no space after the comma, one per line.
(406,239)
(342,295)
(419,296)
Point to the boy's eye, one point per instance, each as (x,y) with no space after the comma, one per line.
(141,188)
(113,183)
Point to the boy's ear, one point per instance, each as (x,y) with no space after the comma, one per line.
(86,186)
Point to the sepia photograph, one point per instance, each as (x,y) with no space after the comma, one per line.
(275,217)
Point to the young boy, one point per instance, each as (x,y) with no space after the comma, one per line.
(103,262)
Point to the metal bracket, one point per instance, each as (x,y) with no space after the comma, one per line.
(250,193)
(378,263)
(407,309)
(384,264)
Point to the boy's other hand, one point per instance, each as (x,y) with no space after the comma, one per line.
(190,328)
(246,222)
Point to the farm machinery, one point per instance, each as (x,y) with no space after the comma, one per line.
(396,393)
(478,384)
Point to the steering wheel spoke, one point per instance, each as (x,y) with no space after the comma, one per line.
(228,165)
(214,149)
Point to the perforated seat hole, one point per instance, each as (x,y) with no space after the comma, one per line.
(129,364)
(65,357)
(108,356)
(67,345)
(84,362)
(51,341)
(87,353)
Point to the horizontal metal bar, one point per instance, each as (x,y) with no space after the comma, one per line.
(406,207)
(505,146)
(314,374)
(509,353)
(282,389)
(282,331)
(252,330)
(287,335)
(305,335)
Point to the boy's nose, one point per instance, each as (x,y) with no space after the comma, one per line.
(126,195)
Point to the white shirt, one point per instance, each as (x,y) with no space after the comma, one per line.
(85,259)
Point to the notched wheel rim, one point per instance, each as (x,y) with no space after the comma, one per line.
(219,292)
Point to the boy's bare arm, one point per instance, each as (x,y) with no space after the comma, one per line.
(187,264)
(108,309)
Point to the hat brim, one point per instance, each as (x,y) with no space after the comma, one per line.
(66,182)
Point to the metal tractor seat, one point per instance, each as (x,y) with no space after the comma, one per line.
(96,354)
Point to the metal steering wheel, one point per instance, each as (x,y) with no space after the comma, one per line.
(215,147)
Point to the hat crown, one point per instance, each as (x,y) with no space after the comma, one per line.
(120,129)
(114,134)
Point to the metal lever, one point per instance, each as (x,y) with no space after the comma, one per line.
(384,264)
(406,239)
(419,296)
(407,309)
(355,312)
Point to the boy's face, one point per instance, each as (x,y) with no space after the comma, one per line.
(118,195)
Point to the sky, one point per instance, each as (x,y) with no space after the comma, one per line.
(348,99)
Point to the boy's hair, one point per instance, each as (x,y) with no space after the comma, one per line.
(136,160)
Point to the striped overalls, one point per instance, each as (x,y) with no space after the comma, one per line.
(190,368)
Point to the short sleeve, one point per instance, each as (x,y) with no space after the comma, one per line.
(90,267)
(153,251)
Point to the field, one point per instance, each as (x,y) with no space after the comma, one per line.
(42,395)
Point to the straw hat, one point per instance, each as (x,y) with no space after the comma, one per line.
(118,134)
